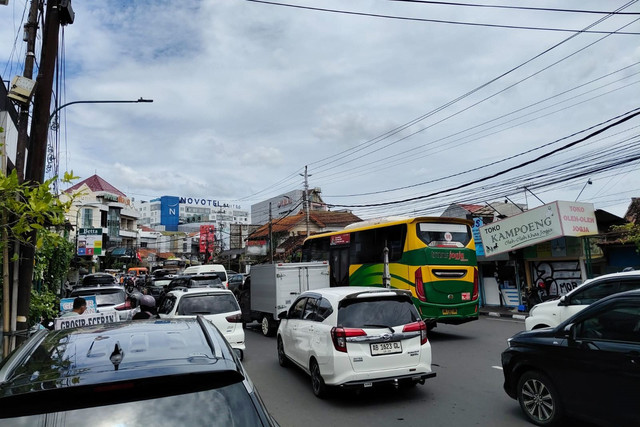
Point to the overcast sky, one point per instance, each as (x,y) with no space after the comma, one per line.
(381,110)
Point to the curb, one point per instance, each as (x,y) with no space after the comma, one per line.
(508,315)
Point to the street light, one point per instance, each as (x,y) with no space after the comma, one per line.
(589,182)
(55,112)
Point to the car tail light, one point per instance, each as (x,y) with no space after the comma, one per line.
(124,306)
(417,326)
(420,286)
(475,285)
(235,318)
(339,337)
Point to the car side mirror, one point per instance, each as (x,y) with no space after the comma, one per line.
(570,332)
(563,300)
(282,315)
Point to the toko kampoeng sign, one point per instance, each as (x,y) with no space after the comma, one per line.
(546,222)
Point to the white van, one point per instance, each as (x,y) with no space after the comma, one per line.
(209,268)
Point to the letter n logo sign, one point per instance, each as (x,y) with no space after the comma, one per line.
(172,211)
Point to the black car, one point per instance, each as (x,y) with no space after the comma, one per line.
(144,373)
(587,367)
(236,282)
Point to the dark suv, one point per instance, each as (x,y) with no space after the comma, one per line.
(587,367)
(169,372)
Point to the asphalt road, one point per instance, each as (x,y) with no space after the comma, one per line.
(466,391)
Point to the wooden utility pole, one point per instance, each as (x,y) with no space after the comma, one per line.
(30,28)
(38,149)
(270,235)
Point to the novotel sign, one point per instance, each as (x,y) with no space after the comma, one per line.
(206,202)
(546,222)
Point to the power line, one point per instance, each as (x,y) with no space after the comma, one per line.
(631,114)
(494,6)
(439,21)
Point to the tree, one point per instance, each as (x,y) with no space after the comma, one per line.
(26,208)
(630,232)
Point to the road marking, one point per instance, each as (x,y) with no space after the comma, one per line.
(497,367)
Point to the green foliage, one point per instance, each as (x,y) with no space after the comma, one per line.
(44,304)
(53,260)
(630,233)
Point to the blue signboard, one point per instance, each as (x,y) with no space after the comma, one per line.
(170,212)
(66,304)
(477,223)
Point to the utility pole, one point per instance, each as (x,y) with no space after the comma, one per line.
(306,198)
(30,30)
(270,235)
(38,149)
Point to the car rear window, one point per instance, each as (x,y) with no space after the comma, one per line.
(98,280)
(388,311)
(103,296)
(207,304)
(227,406)
(205,281)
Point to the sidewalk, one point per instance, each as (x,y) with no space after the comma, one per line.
(497,311)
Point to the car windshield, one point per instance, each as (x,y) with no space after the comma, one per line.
(207,304)
(161,282)
(103,296)
(198,282)
(369,312)
(227,406)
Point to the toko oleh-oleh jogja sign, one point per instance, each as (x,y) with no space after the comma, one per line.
(546,222)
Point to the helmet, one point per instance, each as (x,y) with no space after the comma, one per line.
(147,301)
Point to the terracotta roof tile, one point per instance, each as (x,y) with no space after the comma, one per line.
(95,183)
(322,219)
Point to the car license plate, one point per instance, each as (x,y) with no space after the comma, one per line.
(386,348)
(449,311)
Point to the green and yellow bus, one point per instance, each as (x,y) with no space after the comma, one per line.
(433,257)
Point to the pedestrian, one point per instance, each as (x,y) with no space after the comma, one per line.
(147,308)
(79,307)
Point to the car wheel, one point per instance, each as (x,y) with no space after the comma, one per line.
(268,330)
(282,357)
(539,399)
(317,383)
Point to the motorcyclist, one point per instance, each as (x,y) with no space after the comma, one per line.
(147,308)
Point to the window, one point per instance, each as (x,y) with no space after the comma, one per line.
(594,293)
(363,312)
(367,246)
(316,250)
(618,323)
(207,304)
(167,304)
(436,234)
(629,285)
(295,312)
(324,309)
(87,218)
(310,309)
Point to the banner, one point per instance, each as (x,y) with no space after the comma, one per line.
(86,320)
(546,222)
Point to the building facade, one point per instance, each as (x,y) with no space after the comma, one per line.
(285,205)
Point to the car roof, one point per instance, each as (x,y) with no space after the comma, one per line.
(89,355)
(97,287)
(342,292)
(113,363)
(196,291)
(619,275)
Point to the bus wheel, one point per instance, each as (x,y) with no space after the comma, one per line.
(267,326)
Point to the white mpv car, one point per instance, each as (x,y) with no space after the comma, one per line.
(552,313)
(219,306)
(355,337)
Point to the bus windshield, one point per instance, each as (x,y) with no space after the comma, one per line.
(444,235)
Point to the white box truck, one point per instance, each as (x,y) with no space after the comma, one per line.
(272,288)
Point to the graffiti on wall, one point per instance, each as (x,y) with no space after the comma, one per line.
(557,278)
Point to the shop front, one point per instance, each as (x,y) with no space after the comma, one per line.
(540,250)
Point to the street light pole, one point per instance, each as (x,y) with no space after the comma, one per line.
(55,112)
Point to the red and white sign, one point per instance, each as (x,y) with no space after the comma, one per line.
(340,239)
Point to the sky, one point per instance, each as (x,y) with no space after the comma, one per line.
(394,107)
